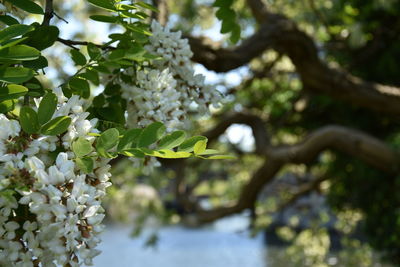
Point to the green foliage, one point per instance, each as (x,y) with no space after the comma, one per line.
(56,126)
(42,37)
(85,164)
(172,140)
(47,107)
(81,147)
(28,6)
(151,134)
(12,91)
(106,142)
(227,15)
(29,120)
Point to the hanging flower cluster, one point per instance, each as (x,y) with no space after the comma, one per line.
(168,88)
(53,159)
(50,211)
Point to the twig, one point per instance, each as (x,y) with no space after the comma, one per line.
(71,43)
(48,13)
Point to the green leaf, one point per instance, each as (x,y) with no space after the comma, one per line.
(14,31)
(99,101)
(80,87)
(235,34)
(106,19)
(91,75)
(209,152)
(47,107)
(29,120)
(200,147)
(225,14)
(39,63)
(129,139)
(56,126)
(170,154)
(81,147)
(16,74)
(93,51)
(28,6)
(35,88)
(13,42)
(43,37)
(151,134)
(7,106)
(147,6)
(221,157)
(8,20)
(78,57)
(172,140)
(223,3)
(117,54)
(133,152)
(19,52)
(107,141)
(188,145)
(105,4)
(12,91)
(85,164)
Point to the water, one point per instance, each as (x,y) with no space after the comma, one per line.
(224,244)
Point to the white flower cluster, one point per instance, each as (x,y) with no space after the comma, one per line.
(168,89)
(50,212)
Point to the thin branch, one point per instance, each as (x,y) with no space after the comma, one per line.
(72,43)
(48,13)
(163,11)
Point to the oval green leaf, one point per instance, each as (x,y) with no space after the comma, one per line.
(200,147)
(78,57)
(28,6)
(129,139)
(188,145)
(47,107)
(19,52)
(151,134)
(107,141)
(81,147)
(12,91)
(16,74)
(172,140)
(80,87)
(56,126)
(29,120)
(14,31)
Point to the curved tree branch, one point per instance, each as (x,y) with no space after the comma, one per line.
(260,134)
(346,140)
(281,34)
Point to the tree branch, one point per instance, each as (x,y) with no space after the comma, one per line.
(72,43)
(346,140)
(260,134)
(48,13)
(163,12)
(281,34)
